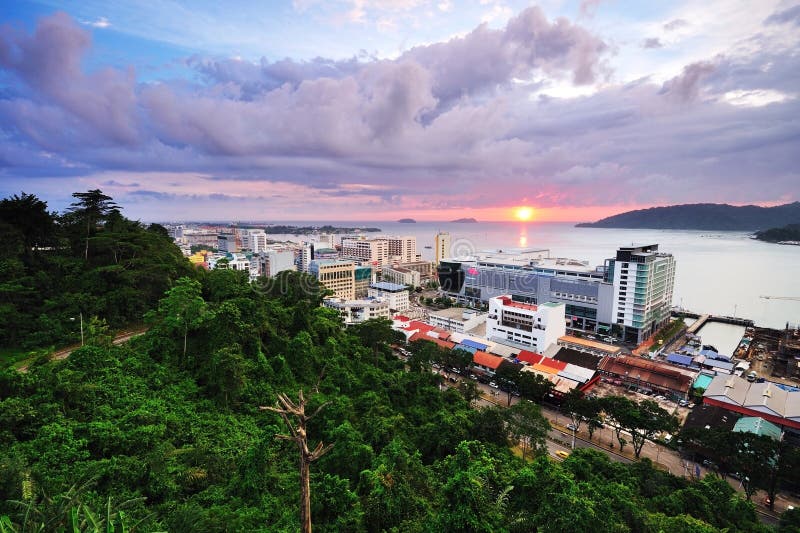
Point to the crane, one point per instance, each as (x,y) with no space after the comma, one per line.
(793,298)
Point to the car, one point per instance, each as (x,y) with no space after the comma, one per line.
(453,380)
(572,427)
(473,376)
(683,403)
(493,385)
(562,454)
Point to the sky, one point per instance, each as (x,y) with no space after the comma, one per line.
(379,109)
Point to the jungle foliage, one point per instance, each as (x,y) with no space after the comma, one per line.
(165,432)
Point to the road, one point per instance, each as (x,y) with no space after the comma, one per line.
(121,337)
(560,438)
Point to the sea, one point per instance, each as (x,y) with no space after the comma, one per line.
(724,273)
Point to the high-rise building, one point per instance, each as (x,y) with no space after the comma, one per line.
(643,280)
(442,246)
(364,277)
(337,276)
(402,249)
(372,251)
(306,255)
(271,263)
(631,294)
(254,240)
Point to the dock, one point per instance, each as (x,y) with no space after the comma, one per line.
(699,323)
(702,320)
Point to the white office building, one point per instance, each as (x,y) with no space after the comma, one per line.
(254,240)
(396,295)
(533,327)
(357,311)
(269,264)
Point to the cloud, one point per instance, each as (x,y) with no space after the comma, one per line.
(94,107)
(652,42)
(100,22)
(787,16)
(442,126)
(686,87)
(588,8)
(675,24)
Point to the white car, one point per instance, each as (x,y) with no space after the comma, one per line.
(493,385)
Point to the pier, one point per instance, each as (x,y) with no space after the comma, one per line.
(699,323)
(702,320)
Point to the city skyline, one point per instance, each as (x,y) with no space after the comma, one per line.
(381,109)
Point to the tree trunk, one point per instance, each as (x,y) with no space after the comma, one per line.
(305,495)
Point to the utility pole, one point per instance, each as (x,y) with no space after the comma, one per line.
(299,436)
(73,319)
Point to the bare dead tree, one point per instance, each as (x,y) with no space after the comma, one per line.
(286,408)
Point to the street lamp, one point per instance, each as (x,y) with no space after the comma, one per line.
(573,435)
(73,319)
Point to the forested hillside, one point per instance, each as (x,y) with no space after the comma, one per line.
(88,261)
(166,432)
(720,217)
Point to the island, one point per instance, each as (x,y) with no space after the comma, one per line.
(309,230)
(407,221)
(465,221)
(720,217)
(789,234)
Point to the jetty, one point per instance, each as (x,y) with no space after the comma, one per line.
(703,319)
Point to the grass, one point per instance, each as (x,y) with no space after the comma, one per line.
(666,333)
(17,357)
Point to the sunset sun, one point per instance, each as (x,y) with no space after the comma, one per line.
(523,213)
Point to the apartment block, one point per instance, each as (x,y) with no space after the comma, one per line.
(372,251)
(402,249)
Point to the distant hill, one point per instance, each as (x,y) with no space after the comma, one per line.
(465,221)
(704,217)
(790,233)
(407,221)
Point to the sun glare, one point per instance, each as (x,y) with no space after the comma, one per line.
(523,213)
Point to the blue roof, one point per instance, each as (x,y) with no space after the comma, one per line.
(474,344)
(466,348)
(386,286)
(677,358)
(724,365)
(715,355)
